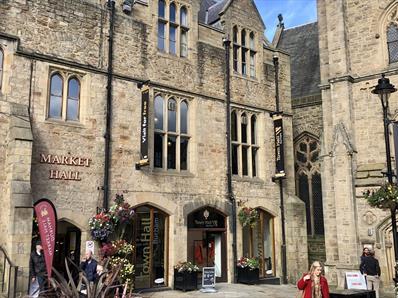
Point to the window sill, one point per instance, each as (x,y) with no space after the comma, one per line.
(160,172)
(174,57)
(247,179)
(64,123)
(245,77)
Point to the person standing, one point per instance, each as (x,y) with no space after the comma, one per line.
(314,284)
(37,266)
(89,266)
(371,269)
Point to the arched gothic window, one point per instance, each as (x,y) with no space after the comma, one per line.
(392,43)
(309,183)
(56,92)
(72,112)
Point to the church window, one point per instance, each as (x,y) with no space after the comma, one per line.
(392,43)
(243,52)
(244,144)
(171,133)
(64,97)
(1,66)
(309,183)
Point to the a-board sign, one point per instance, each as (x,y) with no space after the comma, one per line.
(208,277)
(355,281)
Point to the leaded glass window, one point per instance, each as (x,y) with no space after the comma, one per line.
(392,42)
(308,182)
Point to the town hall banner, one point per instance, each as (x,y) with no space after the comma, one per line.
(279,152)
(47,221)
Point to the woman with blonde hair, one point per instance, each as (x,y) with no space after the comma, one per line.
(314,284)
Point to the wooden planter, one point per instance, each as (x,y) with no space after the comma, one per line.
(247,276)
(185,281)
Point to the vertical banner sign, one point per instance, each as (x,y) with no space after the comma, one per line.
(395,134)
(279,152)
(47,221)
(144,126)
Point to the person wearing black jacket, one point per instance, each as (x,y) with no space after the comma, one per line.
(371,269)
(37,265)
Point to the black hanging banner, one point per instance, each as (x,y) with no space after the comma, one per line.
(279,152)
(395,134)
(144,126)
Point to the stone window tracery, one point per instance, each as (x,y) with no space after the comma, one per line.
(244,144)
(171,133)
(172,28)
(64,96)
(309,183)
(1,66)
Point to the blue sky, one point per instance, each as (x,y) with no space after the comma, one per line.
(295,12)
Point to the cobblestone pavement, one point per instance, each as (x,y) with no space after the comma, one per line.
(225,290)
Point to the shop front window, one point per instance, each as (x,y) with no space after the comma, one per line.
(150,247)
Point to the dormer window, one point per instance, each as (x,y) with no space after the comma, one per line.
(173,27)
(246,49)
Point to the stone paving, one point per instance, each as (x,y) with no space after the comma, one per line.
(225,290)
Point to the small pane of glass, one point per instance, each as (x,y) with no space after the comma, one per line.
(184,154)
(245,168)
(184,17)
(184,117)
(158,112)
(243,128)
(158,151)
(303,147)
(243,38)
(161,36)
(251,40)
(173,39)
(301,157)
(235,34)
(235,55)
(172,16)
(184,43)
(72,112)
(55,105)
(162,9)
(244,70)
(252,65)
(171,152)
(253,129)
(304,196)
(254,162)
(318,204)
(392,43)
(234,127)
(313,146)
(234,159)
(171,115)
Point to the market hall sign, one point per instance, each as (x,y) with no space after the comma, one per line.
(69,160)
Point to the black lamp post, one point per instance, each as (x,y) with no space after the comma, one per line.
(384,89)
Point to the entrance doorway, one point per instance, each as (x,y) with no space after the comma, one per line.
(259,242)
(67,244)
(150,242)
(207,241)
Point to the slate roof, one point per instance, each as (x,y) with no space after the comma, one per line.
(204,6)
(214,8)
(302,45)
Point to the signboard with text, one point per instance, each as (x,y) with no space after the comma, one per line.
(208,277)
(47,222)
(144,126)
(279,150)
(355,281)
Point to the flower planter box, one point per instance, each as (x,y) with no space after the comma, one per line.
(247,276)
(185,281)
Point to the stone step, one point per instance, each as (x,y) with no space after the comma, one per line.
(270,281)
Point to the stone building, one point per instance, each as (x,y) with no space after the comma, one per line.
(53,118)
(357,43)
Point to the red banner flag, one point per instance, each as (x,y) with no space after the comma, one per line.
(47,221)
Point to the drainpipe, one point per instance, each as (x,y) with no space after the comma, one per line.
(280,179)
(107,136)
(231,197)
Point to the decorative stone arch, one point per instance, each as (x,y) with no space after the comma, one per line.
(73,218)
(221,206)
(384,242)
(310,129)
(388,17)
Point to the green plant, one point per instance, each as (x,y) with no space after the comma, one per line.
(186,266)
(385,197)
(251,263)
(248,216)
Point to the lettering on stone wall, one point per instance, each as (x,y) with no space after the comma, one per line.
(62,160)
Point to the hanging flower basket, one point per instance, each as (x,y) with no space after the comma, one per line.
(248,216)
(386,197)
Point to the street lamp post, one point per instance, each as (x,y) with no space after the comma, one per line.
(384,89)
